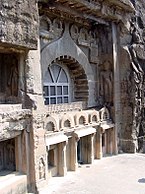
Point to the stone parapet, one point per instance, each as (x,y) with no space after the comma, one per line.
(71,120)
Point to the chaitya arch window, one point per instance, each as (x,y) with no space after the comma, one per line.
(56,85)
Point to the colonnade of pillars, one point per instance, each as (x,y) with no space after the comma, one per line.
(93,146)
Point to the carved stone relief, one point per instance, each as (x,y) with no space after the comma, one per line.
(50,29)
(57,28)
(86,38)
(105,40)
(36,139)
(83,38)
(41,168)
(74,32)
(106,83)
(38,121)
(94,50)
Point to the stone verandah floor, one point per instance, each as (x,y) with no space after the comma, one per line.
(121,174)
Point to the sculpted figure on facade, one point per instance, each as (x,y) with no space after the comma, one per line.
(50,29)
(94,50)
(41,168)
(57,28)
(83,38)
(13,80)
(74,32)
(106,83)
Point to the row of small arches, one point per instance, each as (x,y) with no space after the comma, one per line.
(57,122)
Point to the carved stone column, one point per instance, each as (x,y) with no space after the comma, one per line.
(27,147)
(18,154)
(92,148)
(105,144)
(74,165)
(116,84)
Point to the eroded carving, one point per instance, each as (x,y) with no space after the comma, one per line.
(50,30)
(83,38)
(18,23)
(106,83)
(74,32)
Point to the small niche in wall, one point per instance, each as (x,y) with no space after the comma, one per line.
(82,120)
(7,155)
(94,118)
(67,123)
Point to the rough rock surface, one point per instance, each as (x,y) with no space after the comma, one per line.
(18,23)
(133,79)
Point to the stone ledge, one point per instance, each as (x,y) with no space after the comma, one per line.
(12,182)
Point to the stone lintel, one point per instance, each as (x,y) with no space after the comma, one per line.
(55,138)
(84,131)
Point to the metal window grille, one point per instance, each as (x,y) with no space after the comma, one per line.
(56,85)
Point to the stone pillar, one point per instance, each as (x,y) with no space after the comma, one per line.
(114,140)
(27,147)
(74,159)
(62,168)
(34,95)
(92,148)
(56,162)
(34,100)
(105,143)
(19,146)
(111,141)
(99,145)
(116,85)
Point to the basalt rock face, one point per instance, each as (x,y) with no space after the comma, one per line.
(133,79)
(18,23)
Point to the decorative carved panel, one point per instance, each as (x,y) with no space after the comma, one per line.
(50,29)
(83,38)
(74,32)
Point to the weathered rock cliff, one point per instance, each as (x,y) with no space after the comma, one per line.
(132,68)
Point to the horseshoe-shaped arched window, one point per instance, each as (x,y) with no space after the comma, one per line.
(56,85)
